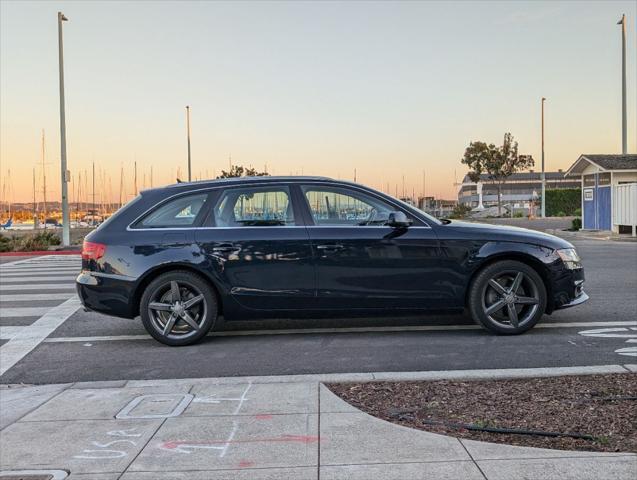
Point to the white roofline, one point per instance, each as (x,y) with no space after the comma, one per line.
(584,157)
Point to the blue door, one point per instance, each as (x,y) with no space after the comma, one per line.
(603,207)
(590,216)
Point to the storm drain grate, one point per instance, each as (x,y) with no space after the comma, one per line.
(33,474)
(45,476)
(38,474)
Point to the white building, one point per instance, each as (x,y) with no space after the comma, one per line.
(609,191)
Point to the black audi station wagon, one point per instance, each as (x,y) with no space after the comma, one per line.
(259,247)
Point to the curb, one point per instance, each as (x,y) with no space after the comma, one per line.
(486,374)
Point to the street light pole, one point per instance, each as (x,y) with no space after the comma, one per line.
(622,22)
(543,175)
(66,233)
(188,135)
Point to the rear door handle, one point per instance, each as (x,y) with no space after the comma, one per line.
(225,248)
(330,246)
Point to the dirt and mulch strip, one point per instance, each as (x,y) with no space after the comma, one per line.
(580,412)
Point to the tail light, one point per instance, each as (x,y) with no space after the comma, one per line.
(92,250)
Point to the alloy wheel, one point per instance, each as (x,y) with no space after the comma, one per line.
(177,309)
(511,299)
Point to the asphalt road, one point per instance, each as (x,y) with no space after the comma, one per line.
(89,346)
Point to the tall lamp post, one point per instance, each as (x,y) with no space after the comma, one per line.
(543,175)
(622,22)
(66,232)
(188,137)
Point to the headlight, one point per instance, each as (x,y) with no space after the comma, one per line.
(570,258)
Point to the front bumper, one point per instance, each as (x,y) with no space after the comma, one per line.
(576,301)
(568,288)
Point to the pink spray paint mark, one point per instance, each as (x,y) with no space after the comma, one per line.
(263,416)
(246,464)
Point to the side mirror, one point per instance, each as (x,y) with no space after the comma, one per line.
(398,220)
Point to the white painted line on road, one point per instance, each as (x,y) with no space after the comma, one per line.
(20,262)
(8,332)
(13,287)
(30,337)
(239,333)
(39,270)
(40,278)
(10,312)
(34,297)
(103,338)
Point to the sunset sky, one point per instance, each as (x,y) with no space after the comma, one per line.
(388,89)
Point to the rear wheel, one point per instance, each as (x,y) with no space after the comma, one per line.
(178,308)
(507,297)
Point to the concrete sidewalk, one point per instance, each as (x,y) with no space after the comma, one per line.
(251,429)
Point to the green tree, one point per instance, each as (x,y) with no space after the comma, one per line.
(239,171)
(498,163)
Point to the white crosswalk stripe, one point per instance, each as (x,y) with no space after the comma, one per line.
(53,268)
(18,287)
(11,312)
(42,278)
(23,284)
(34,297)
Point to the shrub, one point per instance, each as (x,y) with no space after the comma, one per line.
(576,224)
(563,202)
(40,241)
(460,211)
(29,243)
(5,244)
(518,215)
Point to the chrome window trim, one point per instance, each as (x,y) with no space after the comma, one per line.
(270,226)
(288,183)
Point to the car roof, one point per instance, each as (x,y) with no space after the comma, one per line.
(241,180)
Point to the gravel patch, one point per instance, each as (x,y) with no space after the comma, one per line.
(579,412)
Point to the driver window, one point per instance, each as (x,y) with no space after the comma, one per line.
(344,207)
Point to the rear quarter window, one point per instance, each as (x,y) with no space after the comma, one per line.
(181,212)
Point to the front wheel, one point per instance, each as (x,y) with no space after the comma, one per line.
(178,308)
(507,297)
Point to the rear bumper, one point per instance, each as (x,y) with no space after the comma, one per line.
(109,294)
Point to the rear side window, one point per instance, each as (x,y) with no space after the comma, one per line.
(180,212)
(254,207)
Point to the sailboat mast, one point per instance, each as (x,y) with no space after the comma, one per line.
(43,181)
(93,206)
(34,193)
(121,185)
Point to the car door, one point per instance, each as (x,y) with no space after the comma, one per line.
(363,263)
(256,247)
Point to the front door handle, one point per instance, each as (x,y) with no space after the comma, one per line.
(330,247)
(225,248)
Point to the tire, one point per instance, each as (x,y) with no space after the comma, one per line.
(171,320)
(500,309)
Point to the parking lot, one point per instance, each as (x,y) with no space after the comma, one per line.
(46,337)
